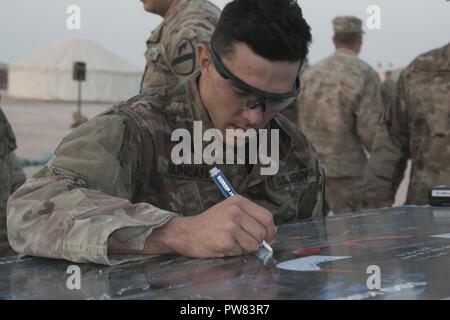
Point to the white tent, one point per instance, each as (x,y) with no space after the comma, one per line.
(48,74)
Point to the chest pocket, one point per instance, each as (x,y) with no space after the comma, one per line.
(153,52)
(157,72)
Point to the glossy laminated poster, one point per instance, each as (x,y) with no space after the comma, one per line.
(336,258)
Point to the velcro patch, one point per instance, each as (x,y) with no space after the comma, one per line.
(187,171)
(301,176)
(153,53)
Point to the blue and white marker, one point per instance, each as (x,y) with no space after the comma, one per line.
(227,190)
(222,182)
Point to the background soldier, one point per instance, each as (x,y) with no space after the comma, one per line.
(113,194)
(417,127)
(339,107)
(172,45)
(387,88)
(11,177)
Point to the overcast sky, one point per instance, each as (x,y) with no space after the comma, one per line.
(408,27)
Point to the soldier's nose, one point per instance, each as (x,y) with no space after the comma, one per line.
(254,116)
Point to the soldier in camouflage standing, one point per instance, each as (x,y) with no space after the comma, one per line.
(171,47)
(338,108)
(416,126)
(11,177)
(113,192)
(387,88)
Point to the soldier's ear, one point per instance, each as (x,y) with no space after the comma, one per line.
(204,58)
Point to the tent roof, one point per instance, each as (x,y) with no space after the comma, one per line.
(64,54)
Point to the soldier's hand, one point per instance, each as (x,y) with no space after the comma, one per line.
(233,227)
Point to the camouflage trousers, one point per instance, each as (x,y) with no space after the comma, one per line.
(344,194)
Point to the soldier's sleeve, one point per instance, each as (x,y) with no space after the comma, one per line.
(369,110)
(389,155)
(18,175)
(179,47)
(80,198)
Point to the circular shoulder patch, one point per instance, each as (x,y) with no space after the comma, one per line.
(183,59)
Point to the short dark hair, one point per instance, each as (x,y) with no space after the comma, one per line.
(347,38)
(273,29)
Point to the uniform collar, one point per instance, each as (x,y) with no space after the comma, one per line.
(156,34)
(346,51)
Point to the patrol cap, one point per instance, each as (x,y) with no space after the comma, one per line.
(347,24)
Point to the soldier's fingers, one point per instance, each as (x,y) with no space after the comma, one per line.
(245,241)
(253,227)
(261,214)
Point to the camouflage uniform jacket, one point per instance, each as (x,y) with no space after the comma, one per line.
(171,48)
(114,176)
(417,127)
(11,177)
(339,107)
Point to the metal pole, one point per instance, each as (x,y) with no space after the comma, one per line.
(79,97)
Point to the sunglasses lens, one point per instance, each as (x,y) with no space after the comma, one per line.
(273,105)
(270,105)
